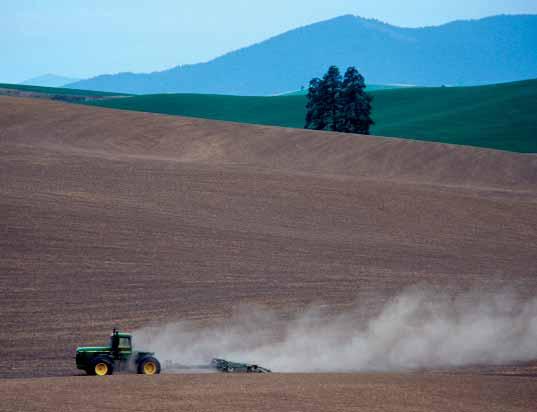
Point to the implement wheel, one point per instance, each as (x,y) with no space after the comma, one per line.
(149,366)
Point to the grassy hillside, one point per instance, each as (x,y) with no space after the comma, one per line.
(285,111)
(55,90)
(498,116)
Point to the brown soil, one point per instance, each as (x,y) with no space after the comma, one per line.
(352,392)
(112,218)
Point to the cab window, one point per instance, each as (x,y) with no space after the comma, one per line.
(124,343)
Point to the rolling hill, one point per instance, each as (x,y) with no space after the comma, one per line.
(286,111)
(54,93)
(114,216)
(491,50)
(58,91)
(498,116)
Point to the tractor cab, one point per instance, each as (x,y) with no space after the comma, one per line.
(120,342)
(120,345)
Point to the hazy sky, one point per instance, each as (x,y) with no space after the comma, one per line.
(83,38)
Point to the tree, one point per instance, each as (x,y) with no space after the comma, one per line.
(339,106)
(330,87)
(354,104)
(321,109)
(314,120)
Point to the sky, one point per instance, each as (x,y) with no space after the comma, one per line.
(85,38)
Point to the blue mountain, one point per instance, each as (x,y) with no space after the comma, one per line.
(490,50)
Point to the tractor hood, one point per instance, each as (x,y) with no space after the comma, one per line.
(93,349)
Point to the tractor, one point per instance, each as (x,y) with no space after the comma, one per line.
(118,356)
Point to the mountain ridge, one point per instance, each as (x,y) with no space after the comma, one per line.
(495,49)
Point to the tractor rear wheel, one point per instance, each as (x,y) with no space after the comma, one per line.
(149,366)
(101,366)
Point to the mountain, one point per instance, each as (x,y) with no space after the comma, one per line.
(49,80)
(491,50)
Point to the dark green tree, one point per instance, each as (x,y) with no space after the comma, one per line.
(330,87)
(321,109)
(353,104)
(314,119)
(337,105)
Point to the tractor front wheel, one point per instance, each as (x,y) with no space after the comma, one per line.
(101,367)
(149,366)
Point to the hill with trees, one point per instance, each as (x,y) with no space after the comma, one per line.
(498,116)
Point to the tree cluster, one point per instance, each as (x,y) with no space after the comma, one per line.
(340,105)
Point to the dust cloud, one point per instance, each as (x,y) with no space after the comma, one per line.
(416,329)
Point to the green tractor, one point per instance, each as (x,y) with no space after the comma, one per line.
(104,360)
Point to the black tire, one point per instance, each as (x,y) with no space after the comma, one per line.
(148,366)
(97,367)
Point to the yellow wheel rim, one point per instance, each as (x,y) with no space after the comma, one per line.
(101,369)
(150,368)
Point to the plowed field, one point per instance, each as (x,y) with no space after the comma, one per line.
(112,218)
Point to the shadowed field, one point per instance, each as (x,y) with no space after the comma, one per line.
(114,218)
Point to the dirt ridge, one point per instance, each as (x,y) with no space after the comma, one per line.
(195,140)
